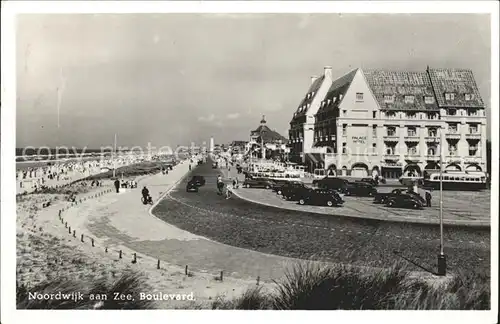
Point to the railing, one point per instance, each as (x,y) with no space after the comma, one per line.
(433,157)
(391,137)
(412,138)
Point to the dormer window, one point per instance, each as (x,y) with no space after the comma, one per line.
(388,98)
(329,101)
(429,100)
(359,96)
(449,96)
(409,99)
(469,96)
(334,99)
(312,94)
(340,96)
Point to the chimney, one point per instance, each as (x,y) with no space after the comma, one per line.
(328,72)
(313,78)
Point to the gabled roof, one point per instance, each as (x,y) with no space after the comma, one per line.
(400,84)
(306,101)
(457,81)
(268,135)
(338,87)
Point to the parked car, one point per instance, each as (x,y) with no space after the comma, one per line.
(405,201)
(321,197)
(198,180)
(257,183)
(295,191)
(281,186)
(192,186)
(360,189)
(330,183)
(371,181)
(383,197)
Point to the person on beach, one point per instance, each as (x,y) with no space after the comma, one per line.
(117,185)
(228,191)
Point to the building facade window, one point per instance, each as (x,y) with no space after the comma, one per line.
(451,112)
(409,99)
(469,96)
(344,130)
(431,151)
(412,131)
(374,114)
(390,150)
(429,100)
(472,113)
(473,150)
(453,128)
(449,96)
(390,115)
(374,130)
(344,148)
(411,115)
(432,116)
(473,129)
(412,150)
(374,147)
(391,131)
(452,148)
(432,132)
(359,96)
(388,98)
(344,112)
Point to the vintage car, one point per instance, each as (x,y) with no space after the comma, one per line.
(329,198)
(258,183)
(405,201)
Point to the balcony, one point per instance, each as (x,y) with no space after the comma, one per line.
(473,135)
(432,138)
(391,138)
(453,135)
(473,159)
(391,157)
(412,156)
(433,158)
(412,138)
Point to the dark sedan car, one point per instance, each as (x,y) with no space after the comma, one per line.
(383,197)
(360,189)
(281,187)
(198,180)
(405,201)
(371,181)
(257,183)
(295,192)
(192,187)
(330,183)
(329,198)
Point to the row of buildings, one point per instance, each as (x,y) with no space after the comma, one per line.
(389,123)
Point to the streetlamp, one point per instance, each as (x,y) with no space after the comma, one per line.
(441,261)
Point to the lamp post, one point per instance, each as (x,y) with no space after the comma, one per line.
(441,261)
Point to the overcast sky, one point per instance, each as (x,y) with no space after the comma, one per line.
(171,79)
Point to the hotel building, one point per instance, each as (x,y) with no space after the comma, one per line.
(389,123)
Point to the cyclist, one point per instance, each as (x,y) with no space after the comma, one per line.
(145,195)
(220,184)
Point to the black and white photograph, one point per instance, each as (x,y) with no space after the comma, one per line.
(250,156)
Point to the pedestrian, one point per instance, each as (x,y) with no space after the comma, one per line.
(428,198)
(117,185)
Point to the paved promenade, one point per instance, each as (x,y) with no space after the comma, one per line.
(122,220)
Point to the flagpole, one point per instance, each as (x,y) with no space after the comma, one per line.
(441,257)
(114,159)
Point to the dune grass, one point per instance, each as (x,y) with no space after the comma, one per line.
(311,287)
(128,283)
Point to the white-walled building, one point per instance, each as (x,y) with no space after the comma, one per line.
(385,122)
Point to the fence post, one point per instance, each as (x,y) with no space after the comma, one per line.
(92,242)
(258,280)
(69,230)
(106,249)
(74,233)
(186,270)
(221,275)
(158,264)
(135,258)
(82,237)
(120,254)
